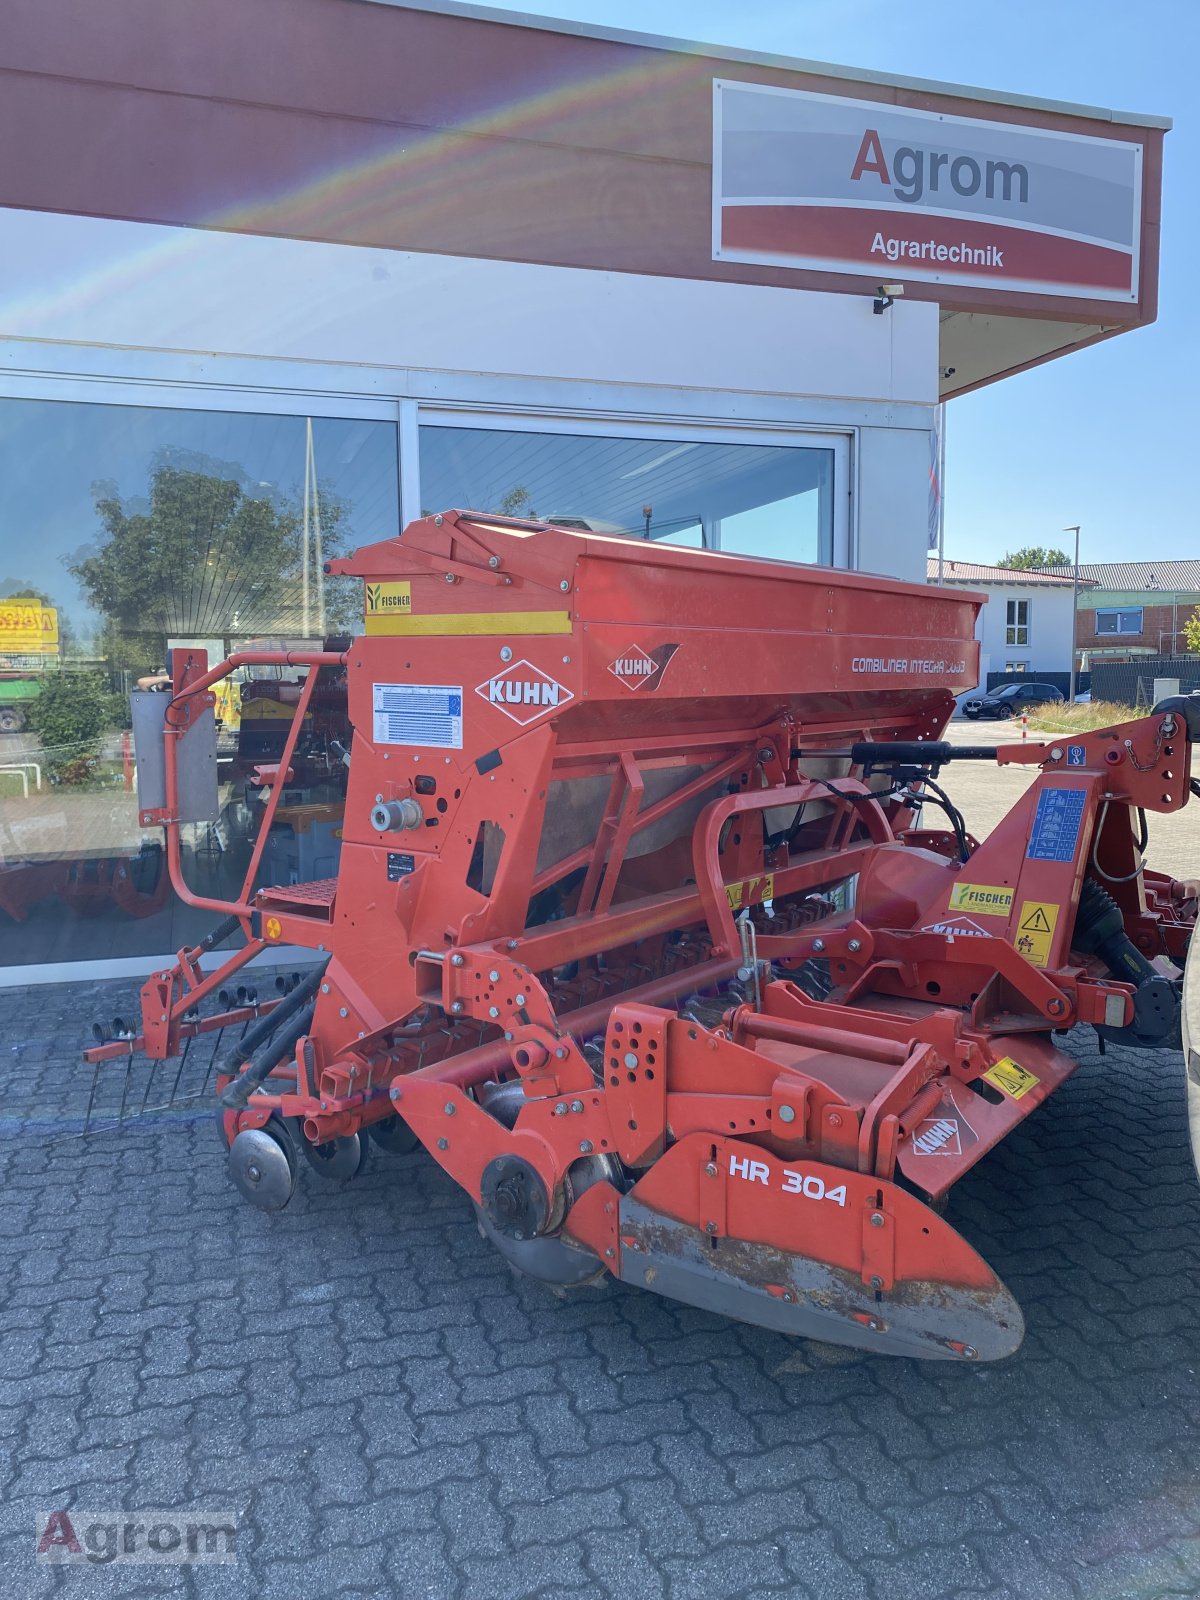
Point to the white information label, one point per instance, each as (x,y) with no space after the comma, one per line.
(428,714)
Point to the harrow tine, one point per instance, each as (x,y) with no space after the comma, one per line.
(212,1061)
(149,1081)
(87,1116)
(179,1073)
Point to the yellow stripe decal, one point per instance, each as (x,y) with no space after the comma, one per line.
(464,622)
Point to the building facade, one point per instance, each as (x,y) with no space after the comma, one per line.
(1024,630)
(1132,609)
(279,277)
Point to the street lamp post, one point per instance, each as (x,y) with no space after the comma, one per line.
(1074,608)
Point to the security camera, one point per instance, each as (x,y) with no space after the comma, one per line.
(884,296)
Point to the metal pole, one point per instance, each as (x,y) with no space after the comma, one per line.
(1074,609)
(941,484)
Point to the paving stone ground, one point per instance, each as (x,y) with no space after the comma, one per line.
(390,1412)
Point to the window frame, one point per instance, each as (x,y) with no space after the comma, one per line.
(624,426)
(1014,626)
(1118,631)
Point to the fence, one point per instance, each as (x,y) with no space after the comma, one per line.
(1131,683)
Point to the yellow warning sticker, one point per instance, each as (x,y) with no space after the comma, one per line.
(989,899)
(750,893)
(1035,930)
(273,928)
(1007,1075)
(388,599)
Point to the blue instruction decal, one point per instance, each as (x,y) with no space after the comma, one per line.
(1056,825)
(1076,755)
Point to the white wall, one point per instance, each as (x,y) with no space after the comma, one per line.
(103,298)
(95,280)
(893,501)
(1049,648)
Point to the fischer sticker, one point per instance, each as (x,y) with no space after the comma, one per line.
(750,893)
(388,600)
(1011,1078)
(990,900)
(1035,930)
(523,692)
(638,670)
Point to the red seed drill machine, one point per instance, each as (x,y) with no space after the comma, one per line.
(642,928)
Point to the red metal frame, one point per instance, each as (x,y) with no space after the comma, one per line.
(936,1018)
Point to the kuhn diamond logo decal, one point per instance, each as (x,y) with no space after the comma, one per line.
(524,692)
(637,670)
(633,668)
(946,1133)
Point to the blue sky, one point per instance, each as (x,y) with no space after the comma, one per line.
(1106,437)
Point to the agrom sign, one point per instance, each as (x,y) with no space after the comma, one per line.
(836,185)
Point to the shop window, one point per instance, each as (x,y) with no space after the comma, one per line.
(1016,630)
(765,500)
(127,531)
(1119,620)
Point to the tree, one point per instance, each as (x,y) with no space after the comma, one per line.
(1034,555)
(517,502)
(205,555)
(1191,631)
(70,716)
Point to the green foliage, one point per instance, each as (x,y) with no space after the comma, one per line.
(207,554)
(70,717)
(1058,717)
(517,502)
(1035,555)
(1191,632)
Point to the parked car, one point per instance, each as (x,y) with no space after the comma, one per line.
(1012,700)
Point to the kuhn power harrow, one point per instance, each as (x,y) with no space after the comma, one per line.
(638,929)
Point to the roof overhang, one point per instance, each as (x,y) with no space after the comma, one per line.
(454,129)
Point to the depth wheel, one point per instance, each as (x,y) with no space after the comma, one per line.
(337,1160)
(263,1168)
(393,1136)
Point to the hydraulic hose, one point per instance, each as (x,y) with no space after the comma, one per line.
(1099,926)
(259,1035)
(268,1056)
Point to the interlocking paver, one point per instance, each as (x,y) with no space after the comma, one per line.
(392,1412)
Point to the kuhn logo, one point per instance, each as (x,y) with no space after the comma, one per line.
(524,692)
(637,670)
(960,928)
(946,1133)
